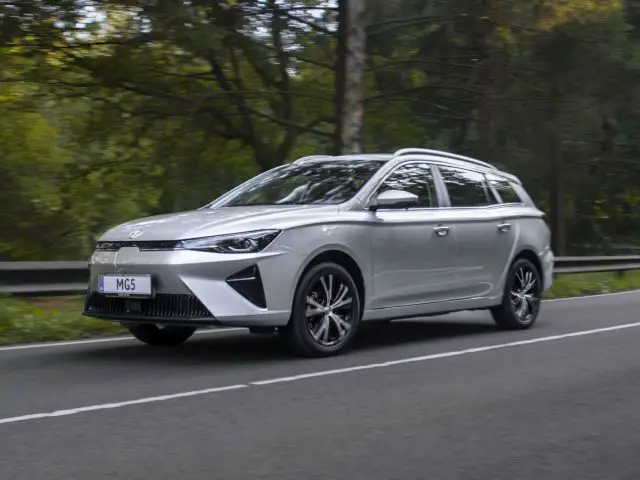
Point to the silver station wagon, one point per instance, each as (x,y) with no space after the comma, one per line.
(312,249)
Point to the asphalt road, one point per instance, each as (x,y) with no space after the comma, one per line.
(446,398)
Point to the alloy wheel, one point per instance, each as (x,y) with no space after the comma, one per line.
(525,297)
(329,310)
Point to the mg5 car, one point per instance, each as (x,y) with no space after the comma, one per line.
(314,248)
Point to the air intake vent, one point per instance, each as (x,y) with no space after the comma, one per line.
(248,283)
(163,306)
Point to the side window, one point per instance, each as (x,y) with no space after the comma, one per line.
(416,178)
(466,188)
(505,189)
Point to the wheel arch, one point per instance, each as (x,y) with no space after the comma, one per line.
(529,254)
(339,256)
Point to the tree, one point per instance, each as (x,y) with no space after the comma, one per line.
(160,105)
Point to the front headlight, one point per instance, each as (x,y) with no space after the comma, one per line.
(249,242)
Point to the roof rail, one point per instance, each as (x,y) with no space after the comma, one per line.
(439,153)
(311,157)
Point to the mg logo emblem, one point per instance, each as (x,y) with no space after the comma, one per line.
(135,234)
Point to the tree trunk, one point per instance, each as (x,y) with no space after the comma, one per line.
(557,201)
(353,105)
(340,68)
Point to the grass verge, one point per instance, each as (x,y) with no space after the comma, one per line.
(60,318)
(48,319)
(593,284)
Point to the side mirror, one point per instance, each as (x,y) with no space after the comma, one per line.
(394,199)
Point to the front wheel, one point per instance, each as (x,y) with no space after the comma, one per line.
(521,300)
(326,312)
(161,336)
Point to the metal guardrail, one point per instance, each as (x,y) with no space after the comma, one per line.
(621,263)
(43,278)
(67,278)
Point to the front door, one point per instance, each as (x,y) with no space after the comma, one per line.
(413,253)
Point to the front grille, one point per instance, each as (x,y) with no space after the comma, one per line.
(148,245)
(162,306)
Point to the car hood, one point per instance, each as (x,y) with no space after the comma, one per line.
(219,221)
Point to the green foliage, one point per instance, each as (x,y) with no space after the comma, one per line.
(30,171)
(593,283)
(41,320)
(146,107)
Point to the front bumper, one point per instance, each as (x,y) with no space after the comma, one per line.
(198,288)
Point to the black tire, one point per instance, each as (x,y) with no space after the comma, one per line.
(512,314)
(298,332)
(161,336)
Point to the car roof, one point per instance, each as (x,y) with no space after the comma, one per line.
(397,153)
(443,157)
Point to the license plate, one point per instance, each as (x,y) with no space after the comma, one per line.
(125,285)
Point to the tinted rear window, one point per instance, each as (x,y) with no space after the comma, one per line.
(505,190)
(466,188)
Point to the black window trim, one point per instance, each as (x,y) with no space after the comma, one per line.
(436,178)
(488,189)
(442,194)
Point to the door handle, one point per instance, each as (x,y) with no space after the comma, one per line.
(504,227)
(441,230)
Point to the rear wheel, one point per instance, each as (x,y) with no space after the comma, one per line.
(326,312)
(521,300)
(161,336)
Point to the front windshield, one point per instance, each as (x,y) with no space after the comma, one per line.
(325,183)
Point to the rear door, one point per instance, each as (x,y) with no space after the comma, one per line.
(412,263)
(482,228)
(508,230)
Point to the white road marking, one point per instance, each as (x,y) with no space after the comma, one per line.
(455,353)
(106,406)
(322,373)
(28,346)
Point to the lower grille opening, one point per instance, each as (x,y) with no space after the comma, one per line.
(178,306)
(248,283)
